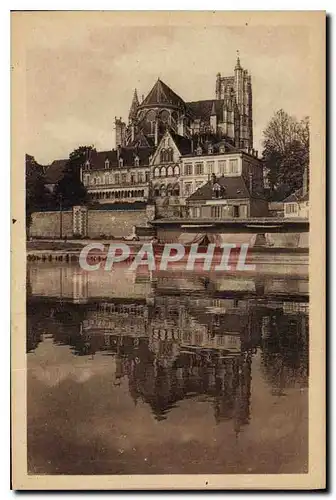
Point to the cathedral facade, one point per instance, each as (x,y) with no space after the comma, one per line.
(228,116)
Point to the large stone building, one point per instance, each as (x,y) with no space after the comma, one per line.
(180,166)
(170,147)
(228,115)
(120,175)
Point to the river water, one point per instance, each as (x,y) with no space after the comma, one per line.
(166,373)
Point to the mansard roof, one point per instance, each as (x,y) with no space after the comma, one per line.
(204,145)
(97,160)
(162,94)
(232,188)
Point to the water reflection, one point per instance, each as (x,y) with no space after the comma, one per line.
(170,344)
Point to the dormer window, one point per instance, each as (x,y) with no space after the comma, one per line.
(199,150)
(121,162)
(107,163)
(210,149)
(222,148)
(217,190)
(136,161)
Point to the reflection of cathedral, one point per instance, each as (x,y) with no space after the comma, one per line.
(173,348)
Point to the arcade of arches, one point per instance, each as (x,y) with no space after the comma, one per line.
(120,194)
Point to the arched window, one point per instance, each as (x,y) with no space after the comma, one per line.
(151,117)
(121,162)
(169,190)
(170,170)
(170,154)
(107,163)
(163,172)
(176,170)
(162,190)
(157,171)
(107,177)
(156,191)
(199,150)
(136,161)
(93,180)
(87,165)
(162,155)
(164,116)
(176,190)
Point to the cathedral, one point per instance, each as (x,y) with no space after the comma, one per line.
(228,116)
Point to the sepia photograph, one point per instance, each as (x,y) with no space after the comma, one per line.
(168,326)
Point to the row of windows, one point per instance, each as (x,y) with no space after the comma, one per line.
(166,155)
(170,190)
(224,167)
(135,178)
(107,164)
(291,208)
(231,211)
(117,195)
(167,171)
(188,187)
(218,211)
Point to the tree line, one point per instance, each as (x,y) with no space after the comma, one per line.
(285,153)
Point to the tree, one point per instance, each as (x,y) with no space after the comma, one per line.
(286,152)
(70,189)
(36,192)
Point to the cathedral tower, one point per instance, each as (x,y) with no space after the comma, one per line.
(236,92)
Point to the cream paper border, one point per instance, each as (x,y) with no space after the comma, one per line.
(315,478)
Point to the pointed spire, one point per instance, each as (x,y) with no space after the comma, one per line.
(213,109)
(134,106)
(238,66)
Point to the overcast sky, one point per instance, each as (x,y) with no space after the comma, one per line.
(81,74)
